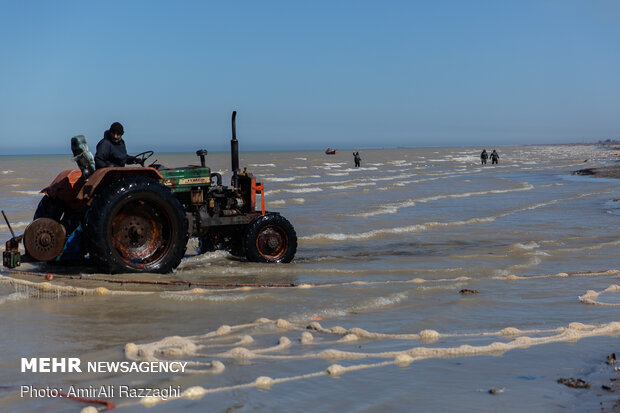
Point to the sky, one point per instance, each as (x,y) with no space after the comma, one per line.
(308,74)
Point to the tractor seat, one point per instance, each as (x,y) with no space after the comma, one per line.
(82,156)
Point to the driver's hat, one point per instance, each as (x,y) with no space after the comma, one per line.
(117,129)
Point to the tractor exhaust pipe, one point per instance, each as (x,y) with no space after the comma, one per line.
(234,151)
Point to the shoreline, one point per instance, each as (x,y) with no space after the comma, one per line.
(602,172)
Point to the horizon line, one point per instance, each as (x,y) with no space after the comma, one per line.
(59,152)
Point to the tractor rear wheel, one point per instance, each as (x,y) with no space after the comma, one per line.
(136,225)
(270,238)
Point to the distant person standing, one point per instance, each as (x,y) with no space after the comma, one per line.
(483,157)
(494,157)
(357,159)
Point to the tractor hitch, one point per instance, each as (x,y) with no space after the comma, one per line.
(11,257)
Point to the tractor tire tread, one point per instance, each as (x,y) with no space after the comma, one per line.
(254,227)
(96,221)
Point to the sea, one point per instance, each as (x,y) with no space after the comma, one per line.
(423,281)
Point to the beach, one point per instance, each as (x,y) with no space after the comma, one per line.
(604,172)
(423,281)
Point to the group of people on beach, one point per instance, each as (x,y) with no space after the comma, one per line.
(494,157)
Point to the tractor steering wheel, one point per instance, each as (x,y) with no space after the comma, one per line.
(143,156)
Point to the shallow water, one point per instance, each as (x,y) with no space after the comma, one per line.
(383,252)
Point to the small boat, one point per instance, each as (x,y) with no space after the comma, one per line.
(330,151)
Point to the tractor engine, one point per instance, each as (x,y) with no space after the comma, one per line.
(208,203)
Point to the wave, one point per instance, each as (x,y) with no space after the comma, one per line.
(368,304)
(302,190)
(203,259)
(33,193)
(16,296)
(458,159)
(391,178)
(372,168)
(8,171)
(218,298)
(270,165)
(329,183)
(527,247)
(417,181)
(14,225)
(387,231)
(532,262)
(347,181)
(351,186)
(272,192)
(589,247)
(290,178)
(393,208)
(427,225)
(439,287)
(330,165)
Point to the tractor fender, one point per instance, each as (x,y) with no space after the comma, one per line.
(101,177)
(65,186)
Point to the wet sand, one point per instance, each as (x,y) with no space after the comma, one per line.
(610,387)
(612,171)
(603,172)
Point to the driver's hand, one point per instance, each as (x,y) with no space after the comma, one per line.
(132,160)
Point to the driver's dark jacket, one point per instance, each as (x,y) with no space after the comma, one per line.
(111,152)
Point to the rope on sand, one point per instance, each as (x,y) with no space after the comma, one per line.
(591,296)
(46,289)
(402,358)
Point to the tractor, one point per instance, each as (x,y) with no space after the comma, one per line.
(139,219)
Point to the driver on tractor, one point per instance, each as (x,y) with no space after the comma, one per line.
(111,149)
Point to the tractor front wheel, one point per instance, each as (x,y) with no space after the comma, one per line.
(136,225)
(270,238)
